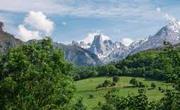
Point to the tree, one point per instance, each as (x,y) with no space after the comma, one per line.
(115,79)
(79,105)
(153,85)
(35,77)
(134,82)
(106,83)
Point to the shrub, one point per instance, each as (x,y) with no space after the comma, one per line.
(153,85)
(91,96)
(115,79)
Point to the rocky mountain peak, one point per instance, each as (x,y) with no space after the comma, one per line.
(173,26)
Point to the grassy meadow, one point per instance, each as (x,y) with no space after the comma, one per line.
(86,89)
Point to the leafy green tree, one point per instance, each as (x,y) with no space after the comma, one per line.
(106,83)
(108,107)
(153,85)
(134,82)
(35,77)
(115,79)
(79,105)
(171,101)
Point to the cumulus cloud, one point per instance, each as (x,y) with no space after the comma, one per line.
(39,21)
(126,41)
(35,26)
(24,34)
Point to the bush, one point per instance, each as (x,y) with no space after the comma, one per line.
(153,85)
(91,96)
(106,83)
(115,79)
(140,84)
(134,82)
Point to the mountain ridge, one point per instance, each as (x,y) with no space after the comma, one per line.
(99,48)
(112,52)
(74,54)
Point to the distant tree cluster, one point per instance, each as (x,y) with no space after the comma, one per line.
(140,102)
(109,83)
(136,83)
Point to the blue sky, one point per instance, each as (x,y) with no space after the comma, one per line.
(74,19)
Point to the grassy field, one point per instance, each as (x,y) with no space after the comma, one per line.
(87,87)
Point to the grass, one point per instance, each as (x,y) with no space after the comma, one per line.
(87,87)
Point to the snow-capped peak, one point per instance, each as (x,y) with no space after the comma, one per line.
(174,26)
(90,37)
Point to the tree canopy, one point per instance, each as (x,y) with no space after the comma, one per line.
(35,77)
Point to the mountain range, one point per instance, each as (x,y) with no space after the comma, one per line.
(97,48)
(108,51)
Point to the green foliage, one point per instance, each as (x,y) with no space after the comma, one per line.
(115,79)
(133,81)
(141,102)
(34,77)
(91,96)
(106,83)
(84,72)
(153,85)
(88,86)
(79,105)
(171,101)
(162,64)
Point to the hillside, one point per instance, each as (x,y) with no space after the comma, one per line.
(7,40)
(78,55)
(87,88)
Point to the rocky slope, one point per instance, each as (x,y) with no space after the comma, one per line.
(169,33)
(102,46)
(7,40)
(78,55)
(108,51)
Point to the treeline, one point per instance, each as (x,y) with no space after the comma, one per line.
(162,64)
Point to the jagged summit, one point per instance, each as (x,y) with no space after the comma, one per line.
(90,37)
(108,50)
(169,33)
(173,25)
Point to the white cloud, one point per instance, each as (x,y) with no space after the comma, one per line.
(36,25)
(39,21)
(24,34)
(110,8)
(126,41)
